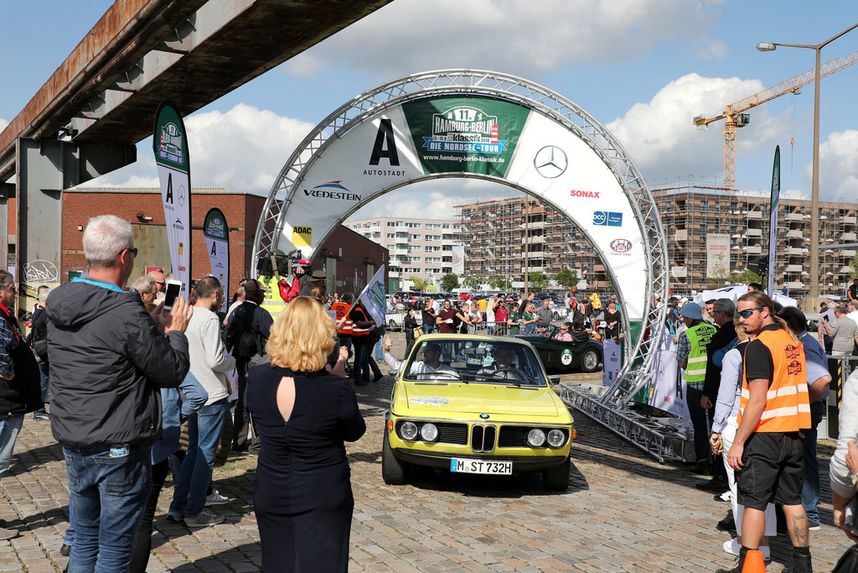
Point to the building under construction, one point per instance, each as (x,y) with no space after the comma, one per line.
(712,237)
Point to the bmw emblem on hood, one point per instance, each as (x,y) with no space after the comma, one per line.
(484,416)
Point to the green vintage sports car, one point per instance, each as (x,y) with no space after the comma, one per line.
(476,404)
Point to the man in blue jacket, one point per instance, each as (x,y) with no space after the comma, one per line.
(109,358)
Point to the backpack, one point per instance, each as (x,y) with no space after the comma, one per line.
(244,342)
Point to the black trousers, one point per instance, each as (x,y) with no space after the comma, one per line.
(698,420)
(143,538)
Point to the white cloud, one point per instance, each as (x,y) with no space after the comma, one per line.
(663,141)
(242,149)
(838,162)
(518,36)
(3,124)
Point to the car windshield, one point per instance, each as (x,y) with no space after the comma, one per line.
(475,361)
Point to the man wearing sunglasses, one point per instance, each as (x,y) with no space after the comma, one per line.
(774,411)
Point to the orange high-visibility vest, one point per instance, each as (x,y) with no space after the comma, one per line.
(787,404)
(356,330)
(342,309)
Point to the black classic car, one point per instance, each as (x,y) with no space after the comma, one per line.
(581,354)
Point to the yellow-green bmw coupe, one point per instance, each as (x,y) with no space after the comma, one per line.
(477,405)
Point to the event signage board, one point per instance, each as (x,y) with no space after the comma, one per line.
(170,145)
(480,137)
(717,256)
(773,220)
(216,234)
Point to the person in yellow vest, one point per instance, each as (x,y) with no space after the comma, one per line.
(691,356)
(273,302)
(774,410)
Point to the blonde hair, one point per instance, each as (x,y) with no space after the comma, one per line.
(302,337)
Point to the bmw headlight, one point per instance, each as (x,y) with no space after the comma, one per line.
(408,431)
(429,432)
(535,438)
(556,438)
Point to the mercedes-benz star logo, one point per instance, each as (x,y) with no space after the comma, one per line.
(550,162)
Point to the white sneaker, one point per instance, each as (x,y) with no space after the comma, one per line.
(726,496)
(733,546)
(215,498)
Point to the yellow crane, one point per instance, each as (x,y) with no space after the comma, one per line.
(735,116)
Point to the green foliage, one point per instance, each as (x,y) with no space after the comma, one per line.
(474,282)
(449,282)
(747,276)
(854,264)
(420,284)
(499,282)
(537,281)
(566,278)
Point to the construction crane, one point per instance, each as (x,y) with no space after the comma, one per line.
(735,115)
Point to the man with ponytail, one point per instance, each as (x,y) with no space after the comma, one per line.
(768,451)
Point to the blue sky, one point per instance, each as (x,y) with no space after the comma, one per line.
(644,68)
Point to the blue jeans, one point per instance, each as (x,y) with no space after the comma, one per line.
(109,489)
(43,382)
(9,428)
(810,489)
(204,429)
(68,538)
(379,355)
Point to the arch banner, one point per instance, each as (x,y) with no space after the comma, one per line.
(471,136)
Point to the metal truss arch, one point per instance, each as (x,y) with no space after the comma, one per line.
(639,355)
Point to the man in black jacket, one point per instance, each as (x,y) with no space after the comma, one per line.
(19,379)
(109,357)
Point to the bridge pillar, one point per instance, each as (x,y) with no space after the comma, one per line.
(44,170)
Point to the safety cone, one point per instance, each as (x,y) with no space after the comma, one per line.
(754,562)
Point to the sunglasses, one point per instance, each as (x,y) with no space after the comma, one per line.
(748,312)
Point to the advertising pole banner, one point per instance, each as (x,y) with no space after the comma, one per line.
(611,358)
(717,256)
(217,242)
(170,144)
(773,221)
(373,296)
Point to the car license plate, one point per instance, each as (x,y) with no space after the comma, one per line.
(466,466)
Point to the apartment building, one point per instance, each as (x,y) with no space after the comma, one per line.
(712,236)
(417,247)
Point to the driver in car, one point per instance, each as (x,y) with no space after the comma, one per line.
(430,364)
(503,366)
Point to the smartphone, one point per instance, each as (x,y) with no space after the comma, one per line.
(174,288)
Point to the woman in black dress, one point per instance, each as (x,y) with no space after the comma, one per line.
(303,496)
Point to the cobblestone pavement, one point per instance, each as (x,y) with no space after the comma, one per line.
(622,512)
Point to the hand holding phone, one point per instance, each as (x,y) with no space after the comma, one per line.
(174,289)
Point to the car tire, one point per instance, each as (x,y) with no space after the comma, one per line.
(556,478)
(590,361)
(393,472)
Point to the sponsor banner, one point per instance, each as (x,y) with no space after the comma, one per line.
(607,219)
(374,297)
(611,356)
(668,386)
(170,145)
(459,260)
(216,234)
(465,134)
(717,256)
(773,220)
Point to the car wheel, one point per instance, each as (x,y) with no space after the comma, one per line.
(392,325)
(393,472)
(556,478)
(590,361)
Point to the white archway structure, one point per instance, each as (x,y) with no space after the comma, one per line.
(492,126)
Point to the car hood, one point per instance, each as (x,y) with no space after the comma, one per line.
(471,400)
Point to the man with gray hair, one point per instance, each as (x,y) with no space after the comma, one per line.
(843,332)
(147,288)
(109,358)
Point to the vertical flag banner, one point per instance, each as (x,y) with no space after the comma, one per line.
(217,243)
(170,144)
(373,297)
(773,220)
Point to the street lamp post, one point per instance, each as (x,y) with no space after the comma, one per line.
(526,245)
(813,303)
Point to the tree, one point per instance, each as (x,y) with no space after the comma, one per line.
(566,278)
(419,284)
(854,264)
(449,282)
(499,282)
(474,282)
(538,281)
(748,276)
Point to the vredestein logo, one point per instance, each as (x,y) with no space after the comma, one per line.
(465,130)
(170,143)
(332,190)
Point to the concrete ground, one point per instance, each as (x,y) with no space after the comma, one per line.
(622,512)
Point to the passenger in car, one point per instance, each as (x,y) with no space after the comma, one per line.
(431,362)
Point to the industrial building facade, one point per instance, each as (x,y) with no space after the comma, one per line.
(712,236)
(422,248)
